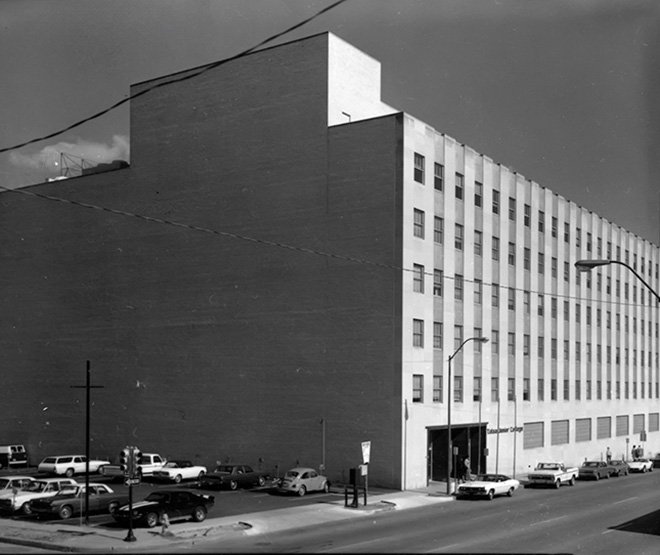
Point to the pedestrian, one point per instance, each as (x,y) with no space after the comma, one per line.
(634,453)
(640,452)
(467,473)
(608,455)
(165,523)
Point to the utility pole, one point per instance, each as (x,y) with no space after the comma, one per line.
(87,386)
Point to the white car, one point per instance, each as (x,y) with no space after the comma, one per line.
(641,465)
(488,485)
(9,483)
(68,465)
(20,501)
(300,480)
(177,470)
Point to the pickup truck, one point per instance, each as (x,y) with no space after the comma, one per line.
(552,474)
(149,463)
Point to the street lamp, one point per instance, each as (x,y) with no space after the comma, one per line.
(449,393)
(588,265)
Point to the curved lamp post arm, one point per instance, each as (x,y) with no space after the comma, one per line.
(588,265)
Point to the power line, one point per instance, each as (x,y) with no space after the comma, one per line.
(304,250)
(201,71)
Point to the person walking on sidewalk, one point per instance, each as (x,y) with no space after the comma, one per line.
(466,472)
(608,455)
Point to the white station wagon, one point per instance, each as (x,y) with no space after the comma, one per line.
(68,465)
(20,501)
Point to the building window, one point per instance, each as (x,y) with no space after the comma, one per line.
(478,242)
(541,222)
(477,344)
(494,389)
(566,390)
(458,287)
(496,248)
(437,335)
(478,292)
(541,263)
(419,168)
(578,238)
(526,388)
(527,301)
(476,388)
(418,223)
(553,389)
(438,230)
(567,272)
(567,232)
(418,388)
(527,217)
(512,209)
(458,336)
(540,389)
(527,256)
(418,333)
(553,348)
(478,193)
(495,341)
(553,308)
(438,176)
(566,311)
(458,389)
(495,295)
(459,185)
(437,389)
(458,237)
(418,278)
(511,389)
(578,393)
(554,227)
(526,345)
(512,254)
(511,344)
(437,283)
(496,202)
(553,267)
(539,307)
(588,242)
(540,347)
(511,304)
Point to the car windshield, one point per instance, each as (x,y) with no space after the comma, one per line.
(548,466)
(590,464)
(69,490)
(37,486)
(488,478)
(171,464)
(157,496)
(49,460)
(3,483)
(228,469)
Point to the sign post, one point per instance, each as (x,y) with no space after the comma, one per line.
(366,455)
(131,473)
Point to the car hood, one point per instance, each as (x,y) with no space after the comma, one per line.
(140,505)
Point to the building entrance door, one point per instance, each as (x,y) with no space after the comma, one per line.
(465,438)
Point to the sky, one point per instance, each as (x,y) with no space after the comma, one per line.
(565,92)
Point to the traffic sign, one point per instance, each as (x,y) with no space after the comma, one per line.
(132,482)
(366,451)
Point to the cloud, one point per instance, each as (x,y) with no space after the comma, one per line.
(48,158)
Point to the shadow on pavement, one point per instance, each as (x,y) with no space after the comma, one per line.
(646,524)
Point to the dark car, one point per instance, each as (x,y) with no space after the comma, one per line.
(233,476)
(620,467)
(177,504)
(70,501)
(595,470)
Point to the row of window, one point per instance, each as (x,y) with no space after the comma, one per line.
(603,390)
(438,340)
(419,223)
(534,432)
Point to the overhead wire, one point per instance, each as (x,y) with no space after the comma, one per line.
(190,75)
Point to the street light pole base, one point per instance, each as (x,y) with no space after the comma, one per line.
(130,537)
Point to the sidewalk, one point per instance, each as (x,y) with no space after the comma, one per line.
(58,536)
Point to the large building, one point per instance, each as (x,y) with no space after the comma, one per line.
(285,271)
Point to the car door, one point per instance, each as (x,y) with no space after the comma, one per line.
(96,499)
(182,503)
(314,481)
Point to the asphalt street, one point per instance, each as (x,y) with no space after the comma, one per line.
(619,515)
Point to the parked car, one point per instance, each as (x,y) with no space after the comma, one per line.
(488,485)
(620,467)
(20,501)
(13,455)
(68,465)
(641,465)
(233,476)
(178,469)
(70,501)
(595,470)
(300,480)
(9,483)
(178,504)
(552,474)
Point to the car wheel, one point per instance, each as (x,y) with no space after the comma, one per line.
(261,481)
(65,512)
(326,487)
(69,472)
(491,494)
(302,491)
(26,509)
(643,469)
(112,508)
(151,519)
(200,475)
(510,492)
(177,479)
(233,484)
(199,514)
(557,483)
(571,482)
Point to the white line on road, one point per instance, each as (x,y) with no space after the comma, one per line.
(625,500)
(443,548)
(549,520)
